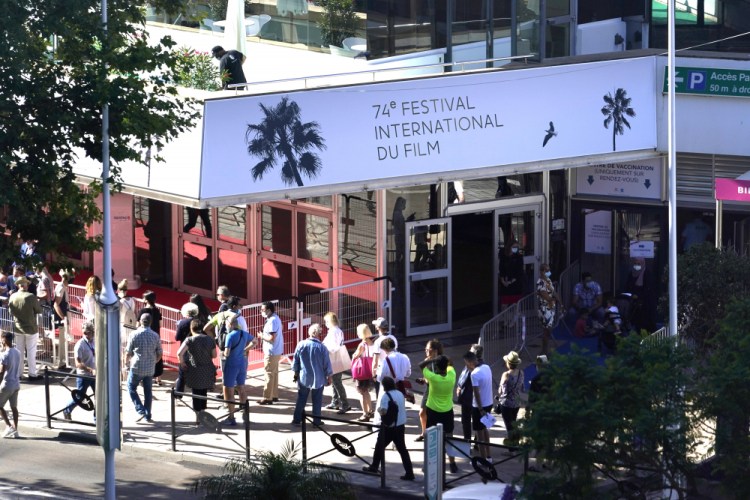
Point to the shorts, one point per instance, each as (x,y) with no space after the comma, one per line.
(446,418)
(234,375)
(424,397)
(476,417)
(9,395)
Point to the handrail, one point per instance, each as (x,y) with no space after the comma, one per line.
(306,79)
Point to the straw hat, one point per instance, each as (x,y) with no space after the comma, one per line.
(512,359)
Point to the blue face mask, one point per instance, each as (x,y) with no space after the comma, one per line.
(514,250)
(548,274)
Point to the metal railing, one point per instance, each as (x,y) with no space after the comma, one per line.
(208,421)
(342,445)
(500,335)
(483,468)
(84,401)
(353,304)
(568,279)
(660,336)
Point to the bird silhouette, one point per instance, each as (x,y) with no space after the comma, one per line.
(550,134)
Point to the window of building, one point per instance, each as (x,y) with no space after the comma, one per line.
(232,224)
(357,237)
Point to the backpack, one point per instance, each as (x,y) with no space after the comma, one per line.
(391,413)
(221,339)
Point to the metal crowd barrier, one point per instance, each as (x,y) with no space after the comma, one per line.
(208,421)
(660,336)
(568,279)
(485,469)
(355,303)
(83,401)
(288,311)
(500,335)
(342,445)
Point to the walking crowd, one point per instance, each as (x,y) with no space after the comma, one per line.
(319,361)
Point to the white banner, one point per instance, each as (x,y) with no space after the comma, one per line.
(641,179)
(598,229)
(324,137)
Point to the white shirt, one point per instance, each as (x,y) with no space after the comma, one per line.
(376,344)
(481,377)
(401,367)
(334,339)
(383,401)
(89,307)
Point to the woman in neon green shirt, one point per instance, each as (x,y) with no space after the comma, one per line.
(440,399)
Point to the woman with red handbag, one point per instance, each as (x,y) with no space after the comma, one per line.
(362,370)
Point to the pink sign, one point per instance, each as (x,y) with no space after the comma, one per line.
(732,190)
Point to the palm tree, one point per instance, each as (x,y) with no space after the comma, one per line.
(281,136)
(616,110)
(278,476)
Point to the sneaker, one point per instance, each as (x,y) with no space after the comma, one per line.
(344,410)
(407,477)
(296,424)
(370,470)
(141,416)
(66,415)
(10,433)
(419,438)
(230,421)
(275,400)
(332,407)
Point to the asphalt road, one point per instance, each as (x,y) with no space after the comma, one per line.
(45,468)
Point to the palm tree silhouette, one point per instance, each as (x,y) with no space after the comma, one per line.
(616,110)
(281,136)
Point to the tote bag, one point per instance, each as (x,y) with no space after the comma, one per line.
(340,359)
(362,366)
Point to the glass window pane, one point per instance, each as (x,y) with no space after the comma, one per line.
(313,233)
(197,221)
(232,271)
(277,280)
(311,280)
(232,224)
(427,247)
(196,264)
(429,299)
(276,225)
(357,237)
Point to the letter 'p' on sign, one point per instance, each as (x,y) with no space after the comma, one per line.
(696,80)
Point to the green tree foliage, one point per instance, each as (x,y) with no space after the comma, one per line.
(724,397)
(597,421)
(196,70)
(337,21)
(57,68)
(280,476)
(707,281)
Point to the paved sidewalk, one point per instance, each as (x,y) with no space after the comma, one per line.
(270,427)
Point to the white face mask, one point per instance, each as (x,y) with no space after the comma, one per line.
(548,274)
(636,267)
(264,314)
(121,294)
(514,250)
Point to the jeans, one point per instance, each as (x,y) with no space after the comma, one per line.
(386,436)
(317,402)
(133,382)
(339,393)
(81,384)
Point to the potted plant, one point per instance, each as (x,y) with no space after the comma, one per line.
(337,21)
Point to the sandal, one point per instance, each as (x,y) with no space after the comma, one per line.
(365,417)
(371,414)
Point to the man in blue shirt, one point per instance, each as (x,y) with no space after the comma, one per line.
(273,347)
(312,371)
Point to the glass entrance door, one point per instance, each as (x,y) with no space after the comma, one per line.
(517,227)
(295,255)
(428,277)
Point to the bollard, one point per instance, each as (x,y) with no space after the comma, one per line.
(174,431)
(46,396)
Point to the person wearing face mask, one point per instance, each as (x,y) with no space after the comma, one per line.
(548,300)
(639,285)
(511,275)
(587,296)
(273,347)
